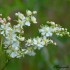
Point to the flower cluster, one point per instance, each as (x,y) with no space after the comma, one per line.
(38,42)
(13,36)
(25,20)
(51,28)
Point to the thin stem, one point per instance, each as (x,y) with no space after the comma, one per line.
(6,64)
(8,60)
(1,43)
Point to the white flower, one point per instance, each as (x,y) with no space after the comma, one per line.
(21,38)
(34,12)
(13,54)
(5,28)
(46,31)
(21,21)
(29,42)
(17,28)
(28,12)
(27,23)
(20,15)
(49,34)
(13,40)
(33,19)
(15,44)
(24,18)
(7,43)
(38,42)
(34,41)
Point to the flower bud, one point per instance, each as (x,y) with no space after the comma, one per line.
(33,19)
(28,12)
(8,18)
(22,38)
(34,12)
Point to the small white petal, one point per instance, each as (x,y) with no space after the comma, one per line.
(33,19)
(13,54)
(22,38)
(27,23)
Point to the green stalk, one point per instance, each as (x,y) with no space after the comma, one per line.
(6,64)
(1,42)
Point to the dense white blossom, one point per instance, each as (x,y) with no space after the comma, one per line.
(38,42)
(51,28)
(14,42)
(26,20)
(5,29)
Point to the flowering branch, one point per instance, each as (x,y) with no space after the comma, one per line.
(13,36)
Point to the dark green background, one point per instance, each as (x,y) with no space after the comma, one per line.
(45,59)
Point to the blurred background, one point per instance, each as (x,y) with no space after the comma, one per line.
(50,56)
